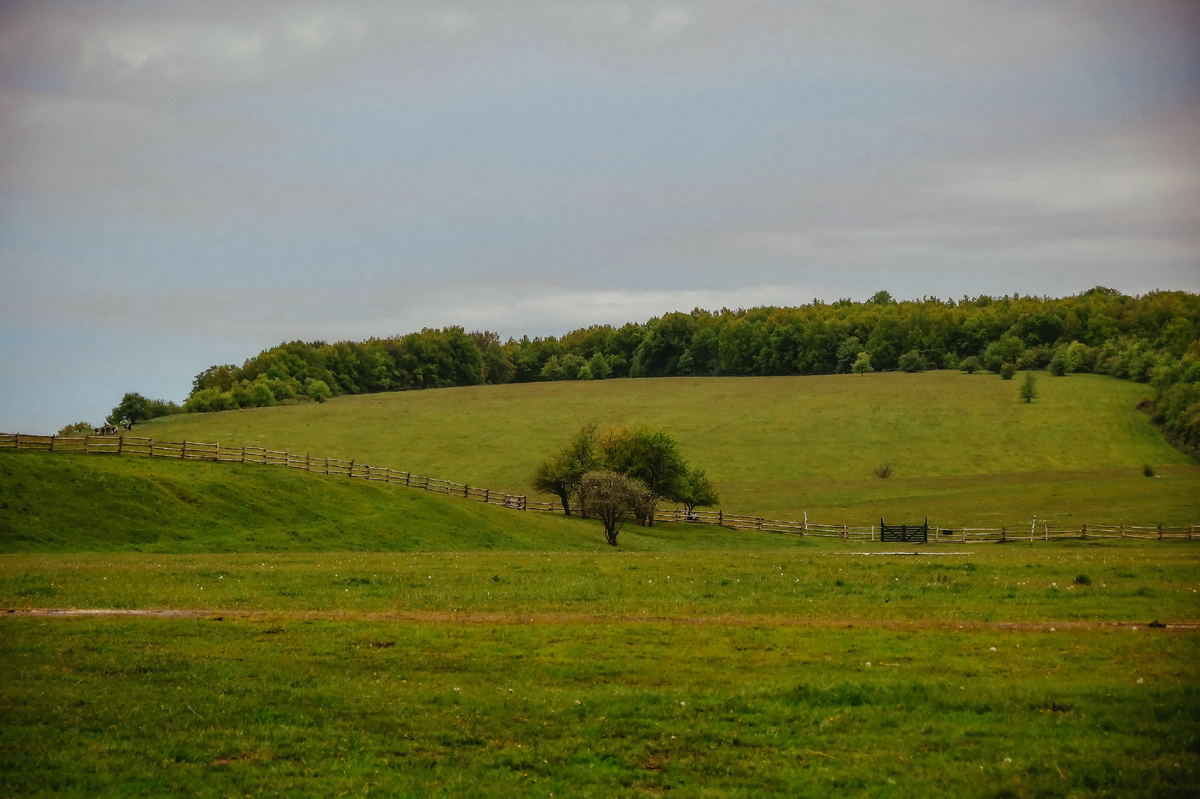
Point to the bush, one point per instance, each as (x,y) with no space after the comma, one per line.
(1058,365)
(913,361)
(862,365)
(318,391)
(1028,390)
(883,471)
(970,365)
(75,429)
(1148,470)
(1008,370)
(1083,579)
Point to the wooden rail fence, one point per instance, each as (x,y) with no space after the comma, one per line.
(195,450)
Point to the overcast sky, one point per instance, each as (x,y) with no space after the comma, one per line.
(186,183)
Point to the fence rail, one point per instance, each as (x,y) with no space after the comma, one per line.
(200,451)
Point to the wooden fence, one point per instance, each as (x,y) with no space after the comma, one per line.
(194,450)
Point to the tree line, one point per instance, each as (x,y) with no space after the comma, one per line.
(1153,338)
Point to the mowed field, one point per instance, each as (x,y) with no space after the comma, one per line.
(189,628)
(964,449)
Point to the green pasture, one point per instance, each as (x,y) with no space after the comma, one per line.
(294,707)
(964,449)
(808,581)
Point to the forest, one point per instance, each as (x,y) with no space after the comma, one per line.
(1153,339)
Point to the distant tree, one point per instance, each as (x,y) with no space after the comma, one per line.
(847,351)
(613,498)
(970,365)
(318,391)
(1007,371)
(695,489)
(882,298)
(560,474)
(75,429)
(1059,365)
(913,361)
(651,457)
(862,365)
(1028,390)
(599,367)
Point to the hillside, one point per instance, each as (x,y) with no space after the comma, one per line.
(76,503)
(963,448)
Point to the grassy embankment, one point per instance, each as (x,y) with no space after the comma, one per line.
(964,449)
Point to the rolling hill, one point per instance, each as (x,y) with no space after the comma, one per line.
(963,448)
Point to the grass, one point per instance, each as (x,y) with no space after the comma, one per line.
(806,582)
(963,448)
(312,707)
(307,635)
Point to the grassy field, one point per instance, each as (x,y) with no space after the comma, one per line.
(964,449)
(175,628)
(293,707)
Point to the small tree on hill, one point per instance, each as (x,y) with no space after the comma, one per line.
(1029,389)
(862,365)
(561,473)
(613,498)
(1007,371)
(694,489)
(970,365)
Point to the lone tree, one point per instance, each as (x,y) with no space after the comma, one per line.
(651,457)
(862,365)
(694,488)
(613,498)
(1029,388)
(561,473)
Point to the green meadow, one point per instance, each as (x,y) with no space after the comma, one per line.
(964,449)
(192,628)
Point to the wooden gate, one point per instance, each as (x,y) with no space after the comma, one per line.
(904,533)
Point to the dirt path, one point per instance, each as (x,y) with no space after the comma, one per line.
(444,617)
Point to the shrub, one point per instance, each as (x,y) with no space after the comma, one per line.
(970,365)
(1148,470)
(1008,370)
(883,471)
(913,361)
(1028,390)
(1083,579)
(318,390)
(862,365)
(75,429)
(1058,365)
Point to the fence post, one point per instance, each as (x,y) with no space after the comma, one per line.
(1083,530)
(1003,534)
(52,443)
(466,488)
(524,502)
(387,477)
(287,459)
(85,438)
(1160,532)
(87,442)
(1191,531)
(308,461)
(150,447)
(407,477)
(487,495)
(351,472)
(183,451)
(243,453)
(720,518)
(1122,531)
(1046,531)
(327,466)
(964,532)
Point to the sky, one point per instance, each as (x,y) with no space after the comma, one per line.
(187,183)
